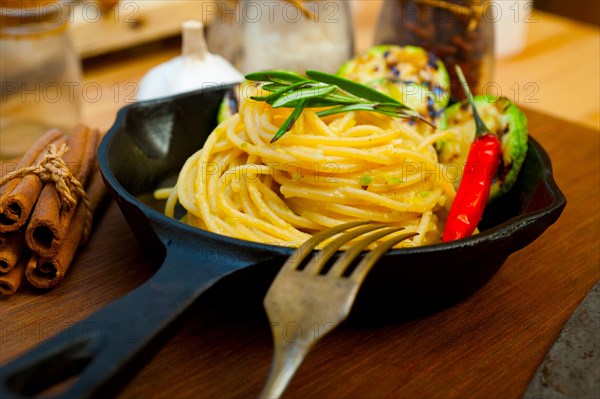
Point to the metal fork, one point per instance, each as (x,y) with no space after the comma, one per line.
(309,299)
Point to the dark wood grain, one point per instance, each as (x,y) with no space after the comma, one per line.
(488,346)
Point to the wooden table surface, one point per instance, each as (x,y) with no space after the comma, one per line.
(488,346)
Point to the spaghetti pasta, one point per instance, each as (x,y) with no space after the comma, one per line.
(323,172)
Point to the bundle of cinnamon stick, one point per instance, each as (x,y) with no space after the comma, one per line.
(46,207)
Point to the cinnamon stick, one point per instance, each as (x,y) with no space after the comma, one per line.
(10,282)
(20,194)
(11,251)
(50,219)
(46,272)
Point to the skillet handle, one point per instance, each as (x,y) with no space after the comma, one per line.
(100,346)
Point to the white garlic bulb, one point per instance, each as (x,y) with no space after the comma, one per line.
(196,68)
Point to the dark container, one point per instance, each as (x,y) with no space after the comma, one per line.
(459,32)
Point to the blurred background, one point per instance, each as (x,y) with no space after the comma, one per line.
(587,11)
(149,21)
(559,57)
(547,52)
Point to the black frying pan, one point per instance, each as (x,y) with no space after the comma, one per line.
(148,143)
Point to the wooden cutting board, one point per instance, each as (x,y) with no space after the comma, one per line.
(488,346)
(131,23)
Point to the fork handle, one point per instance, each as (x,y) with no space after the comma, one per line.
(287,357)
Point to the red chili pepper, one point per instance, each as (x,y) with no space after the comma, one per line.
(480,169)
(474,189)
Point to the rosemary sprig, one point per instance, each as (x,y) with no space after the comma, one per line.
(323,90)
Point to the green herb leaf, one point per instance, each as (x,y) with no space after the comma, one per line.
(276,95)
(276,76)
(312,92)
(322,90)
(385,109)
(339,98)
(273,87)
(289,122)
(330,100)
(346,108)
(352,87)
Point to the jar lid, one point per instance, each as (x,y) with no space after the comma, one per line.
(36,15)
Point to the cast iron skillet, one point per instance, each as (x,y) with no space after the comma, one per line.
(149,142)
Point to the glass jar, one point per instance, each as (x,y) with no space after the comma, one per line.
(40,74)
(459,32)
(298,35)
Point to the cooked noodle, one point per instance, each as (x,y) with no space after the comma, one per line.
(323,172)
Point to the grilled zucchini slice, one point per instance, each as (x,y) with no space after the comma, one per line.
(408,73)
(503,118)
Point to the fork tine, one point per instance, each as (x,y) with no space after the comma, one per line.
(352,253)
(372,257)
(317,262)
(305,249)
(309,245)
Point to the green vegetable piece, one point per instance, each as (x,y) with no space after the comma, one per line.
(229,106)
(504,119)
(365,180)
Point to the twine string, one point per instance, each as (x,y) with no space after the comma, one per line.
(52,168)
